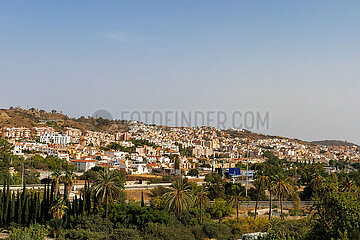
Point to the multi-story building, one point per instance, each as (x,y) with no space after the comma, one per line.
(16,133)
(39,131)
(60,139)
(74,134)
(122,136)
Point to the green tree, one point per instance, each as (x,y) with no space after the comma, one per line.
(216,186)
(336,212)
(282,188)
(108,187)
(236,197)
(68,180)
(56,182)
(179,199)
(261,181)
(270,187)
(201,200)
(193,172)
(221,209)
(177,163)
(58,211)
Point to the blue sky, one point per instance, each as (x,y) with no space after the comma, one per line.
(296,59)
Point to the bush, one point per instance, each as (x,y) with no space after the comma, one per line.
(163,232)
(126,234)
(94,223)
(218,231)
(247,225)
(86,234)
(34,232)
(133,215)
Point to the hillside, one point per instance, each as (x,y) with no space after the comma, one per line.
(334,143)
(17,117)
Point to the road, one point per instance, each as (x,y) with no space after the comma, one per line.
(265,204)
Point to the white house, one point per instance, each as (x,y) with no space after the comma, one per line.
(83,165)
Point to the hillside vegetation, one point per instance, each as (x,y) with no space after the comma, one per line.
(17,117)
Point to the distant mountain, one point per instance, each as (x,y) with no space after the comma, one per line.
(334,143)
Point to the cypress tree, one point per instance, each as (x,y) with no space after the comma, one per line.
(76,209)
(38,215)
(88,198)
(48,204)
(23,204)
(1,207)
(142,199)
(31,209)
(25,218)
(95,201)
(43,206)
(6,204)
(52,194)
(13,211)
(18,209)
(33,212)
(48,195)
(81,205)
(84,197)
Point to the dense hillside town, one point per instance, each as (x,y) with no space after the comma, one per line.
(147,148)
(94,178)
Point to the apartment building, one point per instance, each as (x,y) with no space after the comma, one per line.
(60,139)
(16,133)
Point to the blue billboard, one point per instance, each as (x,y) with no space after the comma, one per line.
(235,171)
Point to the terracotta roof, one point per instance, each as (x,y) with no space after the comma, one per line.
(83,161)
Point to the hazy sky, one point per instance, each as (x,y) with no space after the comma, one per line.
(299,60)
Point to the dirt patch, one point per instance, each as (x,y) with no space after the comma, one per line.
(136,194)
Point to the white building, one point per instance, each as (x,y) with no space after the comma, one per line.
(60,139)
(83,165)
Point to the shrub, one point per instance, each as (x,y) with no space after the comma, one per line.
(86,234)
(247,225)
(163,232)
(133,215)
(94,223)
(34,232)
(218,231)
(126,234)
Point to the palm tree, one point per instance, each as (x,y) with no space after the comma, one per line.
(201,199)
(236,197)
(179,199)
(316,181)
(107,187)
(68,180)
(260,183)
(270,187)
(282,188)
(58,209)
(348,184)
(56,182)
